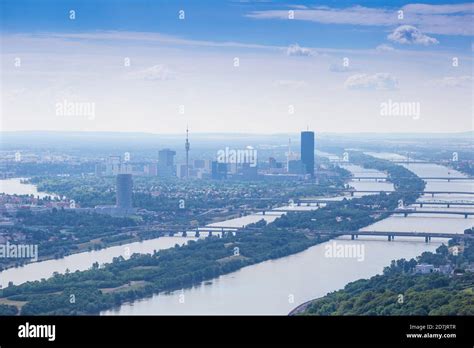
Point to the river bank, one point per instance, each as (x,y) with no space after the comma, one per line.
(421,169)
(290,269)
(275,287)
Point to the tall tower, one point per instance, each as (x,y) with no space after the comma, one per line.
(187,146)
(165,163)
(124,191)
(307,151)
(288,155)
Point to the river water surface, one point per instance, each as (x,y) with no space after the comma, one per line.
(277,286)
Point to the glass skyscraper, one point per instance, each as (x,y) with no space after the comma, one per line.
(166,163)
(307,151)
(124,191)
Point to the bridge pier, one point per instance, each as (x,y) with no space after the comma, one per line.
(427,239)
(421,205)
(448,205)
(352,236)
(432,195)
(263,213)
(465,216)
(352,193)
(391,237)
(406,214)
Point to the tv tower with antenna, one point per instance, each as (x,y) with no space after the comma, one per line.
(288,155)
(187,146)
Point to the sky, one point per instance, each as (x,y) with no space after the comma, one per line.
(236,66)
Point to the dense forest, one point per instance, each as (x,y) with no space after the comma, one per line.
(398,291)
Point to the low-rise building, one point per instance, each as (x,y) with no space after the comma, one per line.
(424,268)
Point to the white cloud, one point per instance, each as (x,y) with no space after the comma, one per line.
(202,84)
(384,48)
(439,9)
(434,19)
(290,83)
(157,72)
(297,50)
(353,15)
(407,34)
(301,7)
(339,68)
(379,81)
(144,37)
(463,81)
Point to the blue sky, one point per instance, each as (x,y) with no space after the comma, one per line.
(207,20)
(332,66)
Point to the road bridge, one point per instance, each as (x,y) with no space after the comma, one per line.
(392,234)
(405,212)
(382,178)
(432,193)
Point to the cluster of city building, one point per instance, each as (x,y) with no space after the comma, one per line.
(228,164)
(239,164)
(11,204)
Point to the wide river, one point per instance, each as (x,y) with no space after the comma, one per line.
(277,286)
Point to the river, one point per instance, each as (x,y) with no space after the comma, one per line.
(277,286)
(14,186)
(83,261)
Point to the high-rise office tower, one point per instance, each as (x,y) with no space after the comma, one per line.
(288,155)
(307,151)
(187,146)
(166,163)
(124,191)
